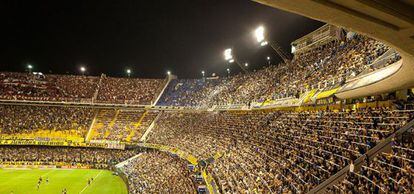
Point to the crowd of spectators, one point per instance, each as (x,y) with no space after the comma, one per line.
(386,173)
(159,172)
(73,88)
(321,68)
(276,151)
(40,87)
(326,66)
(129,90)
(121,125)
(95,157)
(28,119)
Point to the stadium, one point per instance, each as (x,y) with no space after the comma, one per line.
(334,114)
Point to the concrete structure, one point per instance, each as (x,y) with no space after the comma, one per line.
(390,21)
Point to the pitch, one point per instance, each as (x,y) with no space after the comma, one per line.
(54,181)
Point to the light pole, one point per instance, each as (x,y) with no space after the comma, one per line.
(128,71)
(30,67)
(83,70)
(259,34)
(228,56)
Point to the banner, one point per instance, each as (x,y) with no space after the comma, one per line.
(108,145)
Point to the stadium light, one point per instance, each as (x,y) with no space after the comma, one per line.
(259,34)
(128,71)
(228,56)
(268,58)
(30,67)
(203,73)
(168,72)
(260,37)
(246,64)
(83,69)
(228,71)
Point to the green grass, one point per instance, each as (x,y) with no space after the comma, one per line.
(24,181)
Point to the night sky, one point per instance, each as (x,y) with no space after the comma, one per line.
(150,37)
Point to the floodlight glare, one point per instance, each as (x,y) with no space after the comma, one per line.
(168,72)
(264,43)
(203,72)
(29,66)
(231,61)
(228,55)
(246,64)
(268,58)
(259,34)
(82,69)
(128,71)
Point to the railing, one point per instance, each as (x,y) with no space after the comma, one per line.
(383,146)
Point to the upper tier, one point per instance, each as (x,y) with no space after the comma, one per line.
(71,88)
(330,65)
(327,66)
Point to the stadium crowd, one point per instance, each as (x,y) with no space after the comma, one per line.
(71,88)
(158,172)
(321,68)
(129,90)
(324,67)
(386,173)
(121,125)
(27,119)
(277,151)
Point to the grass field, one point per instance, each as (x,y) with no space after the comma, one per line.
(24,181)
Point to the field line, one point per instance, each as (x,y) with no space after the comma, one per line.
(94,178)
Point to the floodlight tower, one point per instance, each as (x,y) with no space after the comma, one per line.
(128,71)
(228,56)
(30,67)
(259,34)
(83,70)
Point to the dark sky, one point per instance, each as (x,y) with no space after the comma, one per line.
(150,37)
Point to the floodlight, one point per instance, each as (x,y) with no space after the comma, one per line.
(29,66)
(264,43)
(259,34)
(168,72)
(246,64)
(268,58)
(82,69)
(228,55)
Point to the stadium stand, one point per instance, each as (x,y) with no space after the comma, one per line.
(129,90)
(283,150)
(121,125)
(278,151)
(45,122)
(71,88)
(158,172)
(40,87)
(326,66)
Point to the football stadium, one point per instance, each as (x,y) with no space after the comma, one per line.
(302,96)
